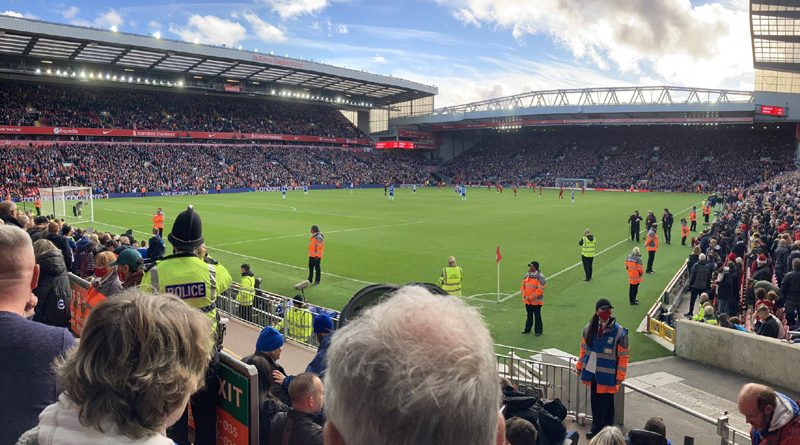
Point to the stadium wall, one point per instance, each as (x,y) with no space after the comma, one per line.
(762,358)
(453,144)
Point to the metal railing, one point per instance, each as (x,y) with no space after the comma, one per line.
(659,320)
(271,309)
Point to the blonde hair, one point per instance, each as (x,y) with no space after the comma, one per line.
(103,259)
(42,246)
(609,435)
(139,359)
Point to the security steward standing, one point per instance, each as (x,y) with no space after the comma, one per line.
(634,221)
(587,244)
(706,213)
(603,363)
(198,281)
(533,296)
(247,293)
(451,277)
(693,219)
(633,265)
(158,222)
(651,243)
(315,247)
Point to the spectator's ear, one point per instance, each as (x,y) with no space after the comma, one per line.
(331,435)
(501,430)
(35,277)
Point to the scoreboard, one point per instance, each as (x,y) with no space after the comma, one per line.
(771,110)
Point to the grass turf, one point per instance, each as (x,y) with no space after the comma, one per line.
(371,240)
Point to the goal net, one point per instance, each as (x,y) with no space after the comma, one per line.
(576,183)
(73,204)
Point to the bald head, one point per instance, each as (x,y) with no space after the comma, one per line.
(757,404)
(8,208)
(19,273)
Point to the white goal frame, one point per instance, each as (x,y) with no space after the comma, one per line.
(569,183)
(61,202)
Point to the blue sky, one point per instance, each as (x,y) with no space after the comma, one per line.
(470,49)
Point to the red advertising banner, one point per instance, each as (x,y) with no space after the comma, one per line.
(168,134)
(414,134)
(233,88)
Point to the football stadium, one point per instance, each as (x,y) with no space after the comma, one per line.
(607,265)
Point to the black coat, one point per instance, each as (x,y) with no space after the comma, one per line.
(63,245)
(304,432)
(770,327)
(763,273)
(53,290)
(700,278)
(729,286)
(781,256)
(10,220)
(790,287)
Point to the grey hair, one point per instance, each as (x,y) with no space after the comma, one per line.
(609,435)
(417,368)
(702,257)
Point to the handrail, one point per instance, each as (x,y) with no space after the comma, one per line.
(670,403)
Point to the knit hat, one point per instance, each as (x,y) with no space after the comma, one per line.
(603,303)
(269,340)
(323,324)
(187,232)
(761,260)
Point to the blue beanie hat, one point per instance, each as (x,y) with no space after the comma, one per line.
(269,340)
(323,324)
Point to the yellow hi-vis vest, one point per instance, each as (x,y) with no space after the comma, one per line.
(587,248)
(299,324)
(192,280)
(247,290)
(450,280)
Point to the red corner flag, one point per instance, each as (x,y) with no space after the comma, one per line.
(497,254)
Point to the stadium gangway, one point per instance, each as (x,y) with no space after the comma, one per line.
(659,320)
(548,376)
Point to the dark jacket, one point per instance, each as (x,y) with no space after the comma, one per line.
(304,431)
(790,287)
(667,220)
(693,258)
(770,327)
(10,220)
(763,273)
(266,412)
(781,255)
(318,364)
(278,391)
(729,285)
(61,242)
(53,290)
(700,278)
(155,248)
(550,429)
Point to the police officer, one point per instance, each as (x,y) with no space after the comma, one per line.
(316,244)
(198,281)
(634,221)
(451,277)
(587,244)
(247,293)
(603,363)
(532,289)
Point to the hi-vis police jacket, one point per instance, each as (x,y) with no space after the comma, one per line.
(192,280)
(606,359)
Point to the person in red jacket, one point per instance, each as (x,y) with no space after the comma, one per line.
(774,417)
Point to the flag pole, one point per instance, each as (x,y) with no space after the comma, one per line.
(498,281)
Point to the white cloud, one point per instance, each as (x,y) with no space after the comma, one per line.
(288,9)
(264,30)
(12,14)
(379,59)
(673,40)
(210,29)
(108,19)
(71,12)
(342,29)
(154,25)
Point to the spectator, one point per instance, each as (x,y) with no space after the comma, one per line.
(763,270)
(770,325)
(106,280)
(28,348)
(699,282)
(694,257)
(520,432)
(323,329)
(130,268)
(298,425)
(140,358)
(156,248)
(387,383)
(60,241)
(609,435)
(39,228)
(268,404)
(269,346)
(728,290)
(774,418)
(53,290)
(8,214)
(790,289)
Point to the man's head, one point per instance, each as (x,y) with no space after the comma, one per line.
(8,208)
(451,261)
(636,252)
(703,297)
(587,232)
(533,266)
(128,262)
(155,231)
(19,273)
(53,227)
(322,325)
(656,425)
(306,393)
(757,404)
(520,432)
(314,229)
(244,268)
(763,312)
(396,368)
(270,343)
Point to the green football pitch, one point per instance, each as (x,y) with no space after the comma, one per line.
(371,240)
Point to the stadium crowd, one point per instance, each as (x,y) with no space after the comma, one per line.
(29,104)
(656,158)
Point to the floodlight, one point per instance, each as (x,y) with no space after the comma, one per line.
(271,91)
(113,28)
(114,77)
(108,76)
(58,72)
(83,74)
(38,71)
(240,47)
(195,41)
(91,75)
(157,34)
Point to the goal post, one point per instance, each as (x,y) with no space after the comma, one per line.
(72,204)
(572,183)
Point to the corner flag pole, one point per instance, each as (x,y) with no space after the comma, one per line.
(498,257)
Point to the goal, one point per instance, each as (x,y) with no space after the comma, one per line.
(73,204)
(572,183)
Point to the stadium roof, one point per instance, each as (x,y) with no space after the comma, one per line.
(32,41)
(775,30)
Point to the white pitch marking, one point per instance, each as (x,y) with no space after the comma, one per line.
(354,229)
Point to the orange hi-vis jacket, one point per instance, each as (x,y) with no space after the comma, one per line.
(635,269)
(37,203)
(533,288)
(158,221)
(81,306)
(316,245)
(684,231)
(692,216)
(651,242)
(706,210)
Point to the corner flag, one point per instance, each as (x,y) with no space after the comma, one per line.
(497,254)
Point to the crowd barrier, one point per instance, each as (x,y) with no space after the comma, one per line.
(238,399)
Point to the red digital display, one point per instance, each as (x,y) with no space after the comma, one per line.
(771,110)
(394,144)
